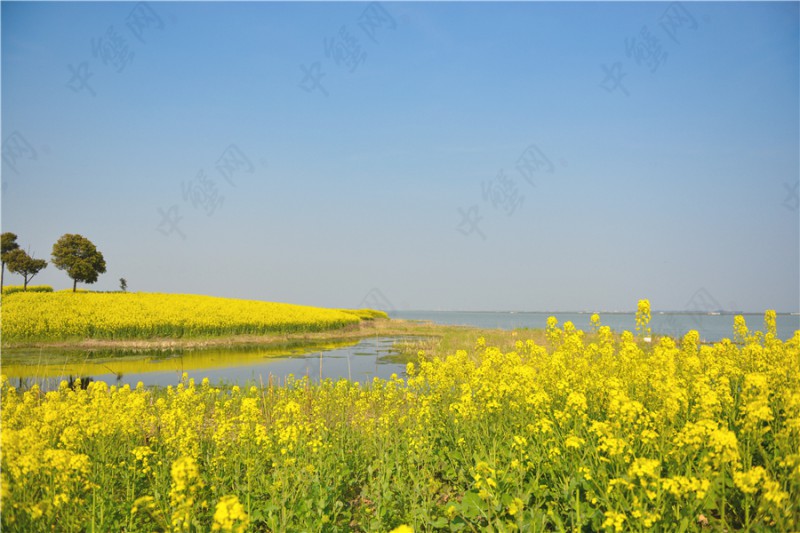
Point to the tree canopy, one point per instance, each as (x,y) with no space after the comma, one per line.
(19,262)
(79,257)
(9,244)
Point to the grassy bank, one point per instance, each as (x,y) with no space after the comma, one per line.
(75,317)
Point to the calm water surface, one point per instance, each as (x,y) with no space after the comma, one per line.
(711,327)
(355,360)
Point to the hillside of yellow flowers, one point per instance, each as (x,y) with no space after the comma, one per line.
(610,435)
(37,316)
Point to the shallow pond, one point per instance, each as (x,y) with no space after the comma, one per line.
(359,360)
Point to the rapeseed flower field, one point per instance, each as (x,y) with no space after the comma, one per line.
(32,316)
(600,432)
(11,289)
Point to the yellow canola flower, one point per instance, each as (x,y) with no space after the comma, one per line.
(646,435)
(574,442)
(515,506)
(749,482)
(643,317)
(230,516)
(645,468)
(67,315)
(186,484)
(614,520)
(595,320)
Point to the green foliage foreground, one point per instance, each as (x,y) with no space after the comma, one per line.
(611,435)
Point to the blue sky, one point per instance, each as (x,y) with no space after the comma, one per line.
(466,156)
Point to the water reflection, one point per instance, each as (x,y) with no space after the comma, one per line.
(359,360)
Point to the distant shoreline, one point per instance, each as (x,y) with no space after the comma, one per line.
(601,313)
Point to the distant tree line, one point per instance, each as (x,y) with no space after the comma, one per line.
(75,254)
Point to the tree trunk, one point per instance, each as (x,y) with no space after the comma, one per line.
(2,274)
(74,284)
(25,284)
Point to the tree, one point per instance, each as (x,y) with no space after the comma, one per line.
(9,244)
(79,258)
(19,262)
(123,284)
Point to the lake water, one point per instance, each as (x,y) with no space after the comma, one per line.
(711,327)
(355,360)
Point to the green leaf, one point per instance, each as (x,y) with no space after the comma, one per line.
(439,522)
(472,506)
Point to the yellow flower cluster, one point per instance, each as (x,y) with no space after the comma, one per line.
(66,315)
(186,484)
(643,317)
(586,432)
(230,516)
(11,289)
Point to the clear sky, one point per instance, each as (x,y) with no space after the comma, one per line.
(457,156)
